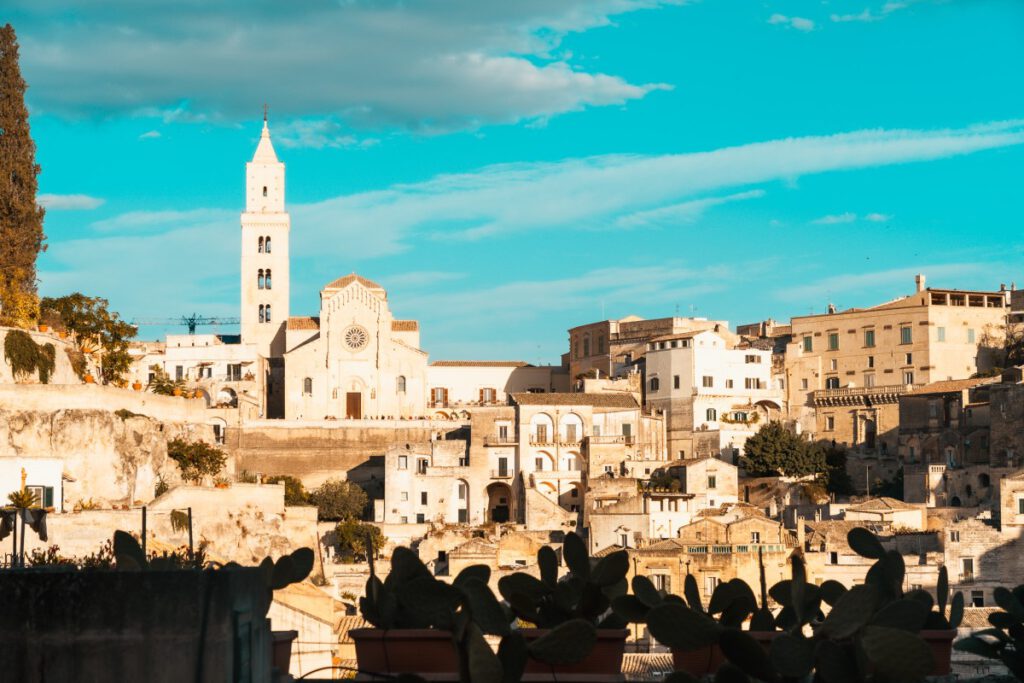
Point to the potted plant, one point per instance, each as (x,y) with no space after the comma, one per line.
(137,385)
(583,595)
(89,379)
(222,482)
(177,391)
(939,629)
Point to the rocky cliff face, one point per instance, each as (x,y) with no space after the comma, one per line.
(107,458)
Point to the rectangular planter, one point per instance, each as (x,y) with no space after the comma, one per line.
(281,650)
(707,659)
(605,658)
(395,651)
(941,644)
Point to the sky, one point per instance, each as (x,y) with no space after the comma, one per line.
(508,170)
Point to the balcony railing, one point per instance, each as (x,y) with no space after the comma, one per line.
(508,440)
(628,440)
(501,474)
(887,393)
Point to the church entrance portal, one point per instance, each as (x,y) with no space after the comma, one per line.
(353,405)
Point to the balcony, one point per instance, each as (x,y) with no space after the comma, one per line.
(624,439)
(498,440)
(501,474)
(854,396)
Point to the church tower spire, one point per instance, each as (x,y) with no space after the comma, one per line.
(265,230)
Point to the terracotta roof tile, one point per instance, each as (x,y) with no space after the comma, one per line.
(882,504)
(404,325)
(646,666)
(345,281)
(947,386)
(598,400)
(304,323)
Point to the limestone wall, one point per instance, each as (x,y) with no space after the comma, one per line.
(62,373)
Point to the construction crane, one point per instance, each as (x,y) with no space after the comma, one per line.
(189,321)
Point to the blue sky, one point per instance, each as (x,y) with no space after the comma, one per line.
(509,170)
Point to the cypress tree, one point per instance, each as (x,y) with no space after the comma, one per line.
(21,219)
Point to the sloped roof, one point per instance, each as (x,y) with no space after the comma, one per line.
(646,666)
(348,623)
(265,150)
(304,323)
(479,364)
(947,386)
(598,400)
(977,617)
(345,281)
(608,551)
(405,325)
(882,504)
(312,601)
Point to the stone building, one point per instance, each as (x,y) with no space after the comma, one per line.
(609,347)
(846,370)
(714,392)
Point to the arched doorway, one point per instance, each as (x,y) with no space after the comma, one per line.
(499,502)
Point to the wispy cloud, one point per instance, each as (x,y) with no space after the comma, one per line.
(835,219)
(421,278)
(900,279)
(317,134)
(151,135)
(867,15)
(681,213)
(69,202)
(878,217)
(799,23)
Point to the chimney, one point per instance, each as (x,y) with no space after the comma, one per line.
(919,281)
(801,533)
(831,309)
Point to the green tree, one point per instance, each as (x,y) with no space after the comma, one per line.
(21,219)
(338,500)
(838,479)
(196,459)
(294,492)
(93,323)
(351,539)
(774,450)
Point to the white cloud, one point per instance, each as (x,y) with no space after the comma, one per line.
(683,212)
(902,279)
(836,219)
(867,15)
(421,278)
(878,217)
(150,135)
(69,202)
(799,23)
(421,66)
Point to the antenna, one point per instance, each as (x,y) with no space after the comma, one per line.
(265,108)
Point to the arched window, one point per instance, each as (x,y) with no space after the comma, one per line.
(711,415)
(267,314)
(259,279)
(267,279)
(307,386)
(261,312)
(266,245)
(400,384)
(832,383)
(261,245)
(264,190)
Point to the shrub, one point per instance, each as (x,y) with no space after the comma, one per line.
(196,459)
(338,500)
(294,492)
(27,358)
(351,539)
(775,450)
(162,383)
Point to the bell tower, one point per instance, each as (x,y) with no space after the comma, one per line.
(265,229)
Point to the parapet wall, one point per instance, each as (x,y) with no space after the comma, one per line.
(53,397)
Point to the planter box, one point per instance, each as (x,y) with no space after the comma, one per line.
(395,651)
(706,660)
(134,626)
(281,652)
(941,644)
(604,659)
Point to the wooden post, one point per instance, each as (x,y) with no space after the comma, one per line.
(191,555)
(144,532)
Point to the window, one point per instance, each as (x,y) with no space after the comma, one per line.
(260,247)
(941,332)
(908,378)
(833,364)
(654,384)
(808,344)
(600,344)
(421,466)
(711,415)
(266,245)
(906,335)
(752,383)
(833,558)
(752,358)
(675,381)
(420,518)
(1020,506)
(179,372)
(755,536)
(261,313)
(405,520)
(869,380)
(542,434)
(869,338)
(570,433)
(503,432)
(403,462)
(405,495)
(662,582)
(400,384)
(970,336)
(235,372)
(833,341)
(423,497)
(832,382)
(624,540)
(438,395)
(977,598)
(575,491)
(830,423)
(966,569)
(954,536)
(803,384)
(307,386)
(708,381)
(267,280)
(871,361)
(502,467)
(538,464)
(488,395)
(586,347)
(908,359)
(710,584)
(627,431)
(728,384)
(712,482)
(267,314)
(264,190)
(259,279)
